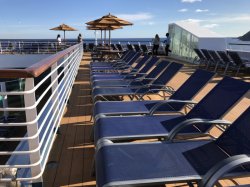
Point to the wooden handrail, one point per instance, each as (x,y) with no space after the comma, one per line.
(38,68)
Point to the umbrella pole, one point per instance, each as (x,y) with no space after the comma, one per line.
(105,37)
(64,36)
(101,37)
(109,37)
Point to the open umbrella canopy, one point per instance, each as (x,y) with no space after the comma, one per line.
(110,20)
(64,27)
(102,27)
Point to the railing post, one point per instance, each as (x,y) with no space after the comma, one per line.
(5,100)
(55,85)
(30,100)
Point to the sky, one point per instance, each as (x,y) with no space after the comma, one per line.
(32,19)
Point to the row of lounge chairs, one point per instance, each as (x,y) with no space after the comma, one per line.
(132,47)
(120,162)
(225,60)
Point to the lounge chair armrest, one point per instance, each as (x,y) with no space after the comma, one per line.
(223,167)
(189,122)
(143,78)
(122,66)
(162,103)
(152,91)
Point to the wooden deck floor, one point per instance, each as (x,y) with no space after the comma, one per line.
(70,160)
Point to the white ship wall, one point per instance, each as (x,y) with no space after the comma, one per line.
(217,44)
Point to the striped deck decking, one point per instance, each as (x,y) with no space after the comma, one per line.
(71,159)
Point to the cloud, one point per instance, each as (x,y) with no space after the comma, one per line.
(201,10)
(192,20)
(210,26)
(233,19)
(190,1)
(136,17)
(183,10)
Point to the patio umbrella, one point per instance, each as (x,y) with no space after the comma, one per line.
(110,20)
(64,27)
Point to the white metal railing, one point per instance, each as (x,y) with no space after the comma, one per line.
(44,100)
(20,47)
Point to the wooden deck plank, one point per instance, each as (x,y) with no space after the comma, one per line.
(73,149)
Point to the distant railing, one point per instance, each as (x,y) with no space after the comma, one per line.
(19,47)
(32,103)
(244,47)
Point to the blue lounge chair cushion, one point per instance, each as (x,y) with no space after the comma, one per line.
(145,163)
(136,127)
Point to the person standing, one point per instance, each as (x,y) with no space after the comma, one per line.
(59,40)
(167,42)
(156,44)
(79,38)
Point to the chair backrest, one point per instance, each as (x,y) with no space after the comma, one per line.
(190,87)
(149,64)
(119,47)
(214,55)
(223,56)
(134,59)
(144,48)
(219,100)
(156,72)
(130,47)
(141,62)
(113,47)
(137,48)
(206,54)
(236,140)
(129,56)
(167,74)
(235,57)
(125,54)
(199,54)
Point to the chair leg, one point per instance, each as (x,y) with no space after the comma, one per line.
(224,73)
(216,66)
(238,70)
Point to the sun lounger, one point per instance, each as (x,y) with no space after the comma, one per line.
(203,162)
(118,66)
(154,88)
(212,107)
(240,63)
(186,92)
(141,68)
(132,81)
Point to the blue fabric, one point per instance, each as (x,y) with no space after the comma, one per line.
(167,75)
(137,126)
(108,67)
(162,160)
(186,92)
(149,65)
(236,140)
(220,99)
(145,69)
(156,71)
(190,88)
(144,161)
(120,83)
(122,107)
